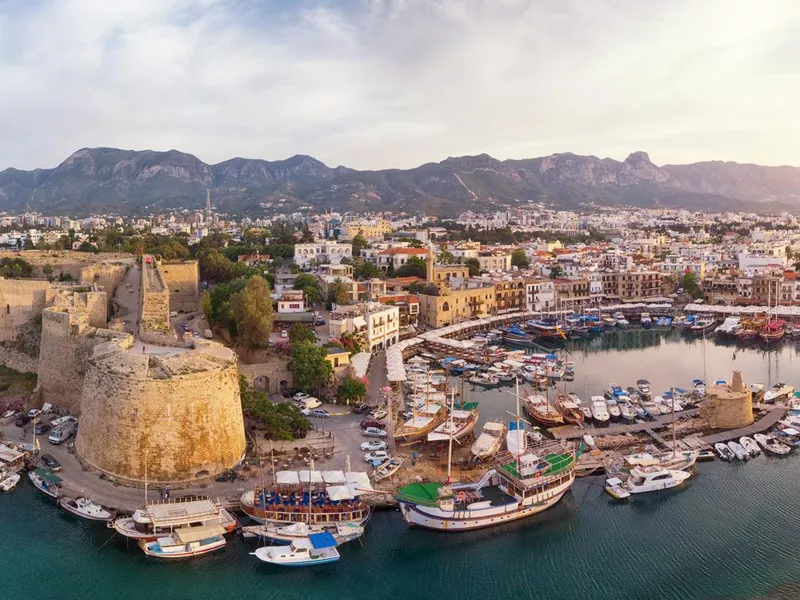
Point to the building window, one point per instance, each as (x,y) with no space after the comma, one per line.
(445,307)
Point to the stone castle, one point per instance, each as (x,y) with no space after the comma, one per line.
(154,406)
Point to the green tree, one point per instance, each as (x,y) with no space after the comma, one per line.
(789,253)
(299,333)
(414,267)
(338,292)
(446,258)
(556,271)
(281,421)
(473,265)
(519,259)
(207,307)
(690,285)
(47,269)
(253,313)
(310,369)
(415,244)
(364,269)
(351,390)
(359,243)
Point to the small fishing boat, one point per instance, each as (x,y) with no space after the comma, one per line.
(516,439)
(9,482)
(588,440)
(486,380)
(705,456)
(46,482)
(644,388)
(750,445)
(773,331)
(653,479)
(738,451)
(614,411)
(702,326)
(621,321)
(651,409)
(539,408)
(489,441)
(609,321)
(387,468)
(186,542)
(460,423)
(779,391)
(724,452)
(614,487)
(314,549)
(600,410)
(646,320)
(771,445)
(614,390)
(626,410)
(730,326)
(515,336)
(85,508)
(569,409)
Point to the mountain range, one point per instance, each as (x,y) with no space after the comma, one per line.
(129,182)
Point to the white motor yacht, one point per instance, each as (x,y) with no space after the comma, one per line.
(653,479)
(750,445)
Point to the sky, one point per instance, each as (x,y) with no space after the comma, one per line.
(396,83)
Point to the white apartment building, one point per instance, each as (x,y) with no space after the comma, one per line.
(291,302)
(540,295)
(323,251)
(378,324)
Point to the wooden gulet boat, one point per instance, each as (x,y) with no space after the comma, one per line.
(569,409)
(160,519)
(539,409)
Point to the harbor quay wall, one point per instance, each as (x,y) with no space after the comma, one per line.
(68,339)
(183,282)
(173,418)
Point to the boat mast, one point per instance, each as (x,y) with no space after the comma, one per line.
(450,445)
(309,491)
(519,438)
(674,439)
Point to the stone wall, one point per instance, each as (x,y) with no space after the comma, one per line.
(173,418)
(67,261)
(68,339)
(20,301)
(183,281)
(154,315)
(107,275)
(13,359)
(267,376)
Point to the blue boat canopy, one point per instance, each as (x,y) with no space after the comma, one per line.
(322,540)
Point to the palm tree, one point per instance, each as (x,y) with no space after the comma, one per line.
(338,292)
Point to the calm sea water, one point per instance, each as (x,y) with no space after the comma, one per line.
(731,533)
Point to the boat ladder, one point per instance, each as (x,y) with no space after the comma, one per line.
(484,480)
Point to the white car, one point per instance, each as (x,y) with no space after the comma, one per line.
(373,445)
(378,414)
(305,412)
(34,412)
(379,455)
(300,396)
(284,334)
(374,432)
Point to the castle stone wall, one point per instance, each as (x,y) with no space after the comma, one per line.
(68,339)
(172,418)
(154,316)
(183,281)
(20,301)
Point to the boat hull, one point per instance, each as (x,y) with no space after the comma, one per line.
(149,549)
(421,516)
(65,504)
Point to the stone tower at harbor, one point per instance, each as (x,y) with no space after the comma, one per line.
(728,406)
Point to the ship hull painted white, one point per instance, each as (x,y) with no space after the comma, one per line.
(462,520)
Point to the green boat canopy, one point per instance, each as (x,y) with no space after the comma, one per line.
(48,476)
(426,494)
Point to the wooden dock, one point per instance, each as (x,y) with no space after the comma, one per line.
(571,432)
(775,414)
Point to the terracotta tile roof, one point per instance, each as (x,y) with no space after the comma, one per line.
(390,251)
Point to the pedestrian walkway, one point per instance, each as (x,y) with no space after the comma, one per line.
(571,432)
(775,414)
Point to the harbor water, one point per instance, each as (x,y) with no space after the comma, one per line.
(730,533)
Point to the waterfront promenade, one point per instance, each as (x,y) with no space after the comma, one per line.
(572,432)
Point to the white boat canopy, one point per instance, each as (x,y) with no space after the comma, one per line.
(359,483)
(287,478)
(314,476)
(334,477)
(339,492)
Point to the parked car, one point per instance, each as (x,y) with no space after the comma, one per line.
(378,414)
(284,334)
(320,413)
(41,428)
(50,462)
(34,412)
(22,421)
(361,408)
(319,321)
(372,423)
(300,396)
(305,412)
(373,445)
(380,455)
(374,432)
(288,392)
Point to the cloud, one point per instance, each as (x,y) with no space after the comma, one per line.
(395,83)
